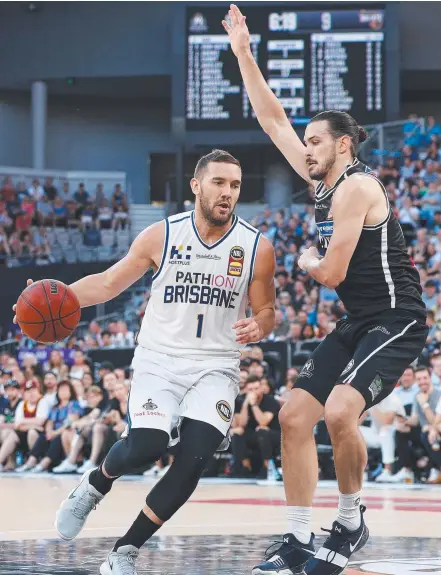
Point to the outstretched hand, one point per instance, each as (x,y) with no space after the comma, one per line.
(237,31)
(14,307)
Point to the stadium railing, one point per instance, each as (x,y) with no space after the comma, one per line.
(385,140)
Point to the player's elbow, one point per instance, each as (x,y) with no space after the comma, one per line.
(333,280)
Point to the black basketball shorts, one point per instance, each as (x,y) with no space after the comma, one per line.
(370,355)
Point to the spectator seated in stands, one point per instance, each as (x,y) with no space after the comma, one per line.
(8,405)
(81,197)
(381,433)
(49,446)
(105,215)
(88,216)
(80,365)
(109,427)
(82,429)
(407,438)
(45,212)
(424,415)
(30,416)
(123,337)
(255,427)
(60,213)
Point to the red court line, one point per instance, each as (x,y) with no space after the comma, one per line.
(325,503)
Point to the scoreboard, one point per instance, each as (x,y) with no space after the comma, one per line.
(313,60)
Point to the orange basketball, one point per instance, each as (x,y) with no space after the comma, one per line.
(48,311)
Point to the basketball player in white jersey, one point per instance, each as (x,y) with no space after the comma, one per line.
(209,266)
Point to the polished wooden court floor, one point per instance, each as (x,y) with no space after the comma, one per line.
(224,528)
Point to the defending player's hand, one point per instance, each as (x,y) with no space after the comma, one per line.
(247,331)
(307,257)
(237,30)
(28,283)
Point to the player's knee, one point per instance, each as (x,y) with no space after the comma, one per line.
(340,418)
(300,413)
(293,420)
(343,409)
(145,446)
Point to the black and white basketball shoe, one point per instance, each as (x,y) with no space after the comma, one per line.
(288,558)
(333,557)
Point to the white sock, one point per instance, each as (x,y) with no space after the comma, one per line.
(299,519)
(349,514)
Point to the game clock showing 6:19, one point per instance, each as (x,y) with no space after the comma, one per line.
(312,60)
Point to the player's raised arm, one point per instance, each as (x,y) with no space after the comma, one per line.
(261,294)
(145,252)
(269,111)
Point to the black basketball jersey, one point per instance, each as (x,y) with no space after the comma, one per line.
(381,275)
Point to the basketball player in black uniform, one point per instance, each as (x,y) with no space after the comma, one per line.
(362,254)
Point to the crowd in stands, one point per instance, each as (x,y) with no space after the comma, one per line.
(404,431)
(38,221)
(64,417)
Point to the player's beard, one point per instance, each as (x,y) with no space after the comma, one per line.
(321,171)
(208,212)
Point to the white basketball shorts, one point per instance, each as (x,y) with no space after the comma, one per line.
(166,388)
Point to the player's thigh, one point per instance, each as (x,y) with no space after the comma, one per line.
(381,357)
(322,370)
(212,399)
(155,396)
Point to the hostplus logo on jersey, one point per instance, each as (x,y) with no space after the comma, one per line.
(180,255)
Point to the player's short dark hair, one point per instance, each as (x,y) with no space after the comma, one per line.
(217,157)
(253,378)
(342,124)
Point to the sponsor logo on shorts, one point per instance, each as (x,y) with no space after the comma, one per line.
(224,410)
(379,328)
(149,406)
(376,387)
(308,368)
(148,414)
(348,367)
(235,261)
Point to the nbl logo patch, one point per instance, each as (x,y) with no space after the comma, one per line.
(224,410)
(235,261)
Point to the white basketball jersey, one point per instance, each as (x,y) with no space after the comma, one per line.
(199,290)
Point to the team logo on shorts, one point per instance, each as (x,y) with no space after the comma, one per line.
(150,406)
(235,261)
(308,368)
(376,387)
(224,410)
(348,367)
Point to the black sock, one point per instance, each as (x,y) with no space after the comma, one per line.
(101,483)
(141,530)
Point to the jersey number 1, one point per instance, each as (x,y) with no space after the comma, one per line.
(200,321)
